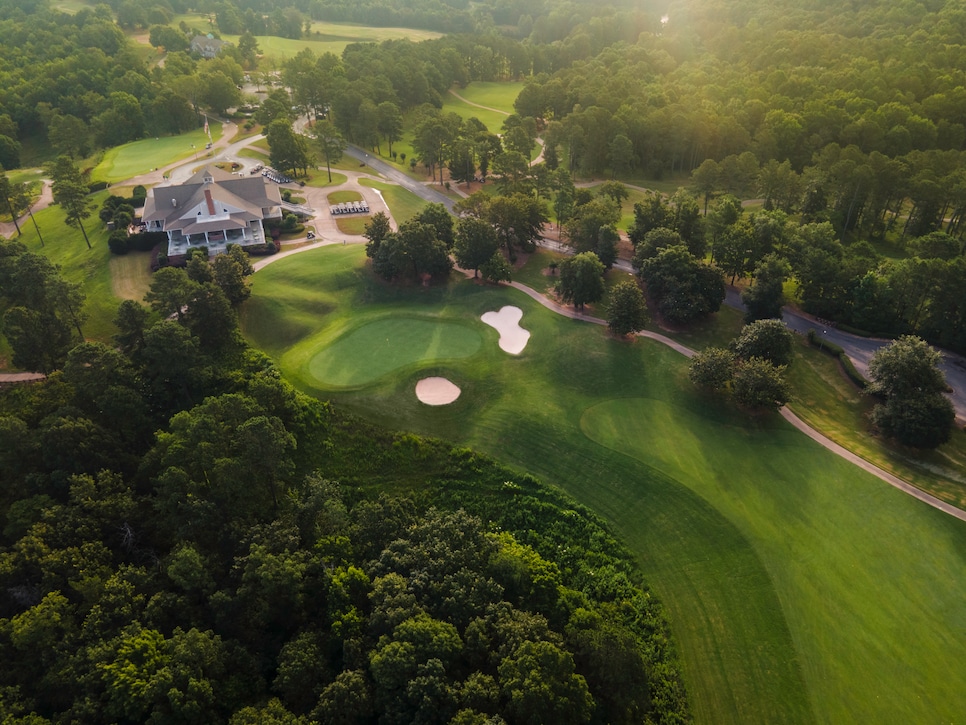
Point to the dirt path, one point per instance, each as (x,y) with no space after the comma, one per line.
(20,377)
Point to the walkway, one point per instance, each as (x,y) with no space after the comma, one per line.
(9,229)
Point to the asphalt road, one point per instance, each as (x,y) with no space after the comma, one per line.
(861,349)
(398,177)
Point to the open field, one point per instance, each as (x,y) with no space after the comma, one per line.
(140,157)
(324,37)
(800,589)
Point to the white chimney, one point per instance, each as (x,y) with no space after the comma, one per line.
(174,202)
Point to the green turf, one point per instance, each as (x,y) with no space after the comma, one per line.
(321,179)
(403,204)
(492,94)
(140,157)
(799,588)
(491,119)
(90,268)
(368,352)
(355,225)
(339,197)
(254,153)
(324,38)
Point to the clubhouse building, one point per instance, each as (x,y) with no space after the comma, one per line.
(212,209)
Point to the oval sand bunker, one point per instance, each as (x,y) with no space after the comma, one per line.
(436,391)
(513,338)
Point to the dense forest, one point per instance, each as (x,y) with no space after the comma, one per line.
(187,539)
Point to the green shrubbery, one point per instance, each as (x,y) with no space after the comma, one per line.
(837,352)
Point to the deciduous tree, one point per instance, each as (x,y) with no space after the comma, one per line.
(627,311)
(581,279)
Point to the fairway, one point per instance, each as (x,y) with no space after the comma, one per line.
(368,352)
(491,119)
(332,38)
(799,588)
(495,95)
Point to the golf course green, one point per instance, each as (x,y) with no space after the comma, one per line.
(376,348)
(799,588)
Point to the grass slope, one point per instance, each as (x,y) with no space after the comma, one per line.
(140,157)
(90,268)
(800,589)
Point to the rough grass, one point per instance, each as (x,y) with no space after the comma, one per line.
(825,398)
(130,275)
(90,268)
(799,588)
(140,157)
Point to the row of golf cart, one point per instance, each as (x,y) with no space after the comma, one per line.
(350,207)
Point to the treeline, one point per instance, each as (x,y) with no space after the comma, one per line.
(76,81)
(711,84)
(845,281)
(186,538)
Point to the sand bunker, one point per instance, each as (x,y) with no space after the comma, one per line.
(436,391)
(513,338)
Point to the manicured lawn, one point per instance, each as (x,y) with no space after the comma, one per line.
(321,179)
(492,94)
(799,588)
(371,350)
(824,397)
(403,204)
(254,153)
(340,197)
(491,119)
(139,157)
(355,225)
(71,6)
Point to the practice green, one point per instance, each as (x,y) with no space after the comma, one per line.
(368,352)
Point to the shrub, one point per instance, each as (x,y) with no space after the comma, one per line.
(146,241)
(97,186)
(118,242)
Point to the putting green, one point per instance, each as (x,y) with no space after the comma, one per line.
(368,352)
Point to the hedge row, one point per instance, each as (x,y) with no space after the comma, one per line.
(815,340)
